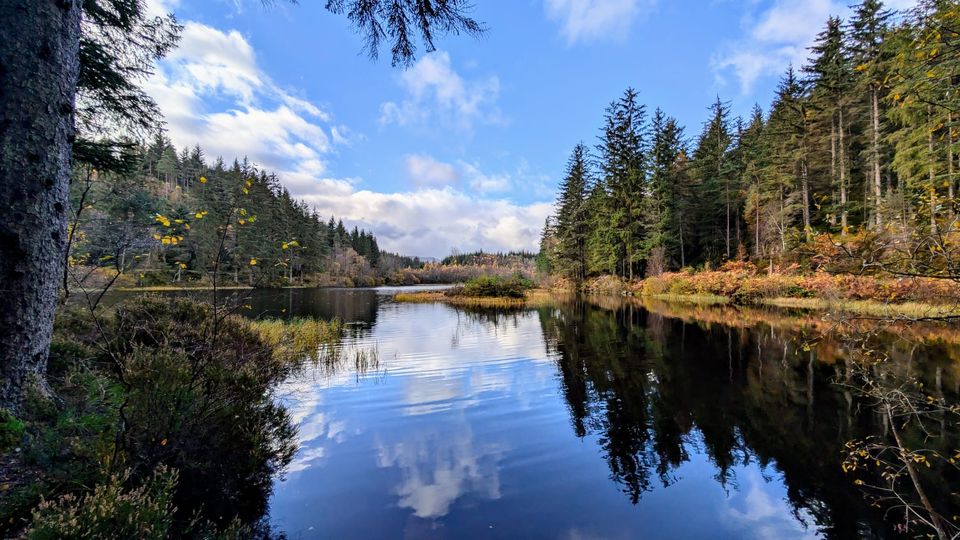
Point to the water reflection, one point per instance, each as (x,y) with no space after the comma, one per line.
(440,463)
(585,421)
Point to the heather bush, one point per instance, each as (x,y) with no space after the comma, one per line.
(111,510)
(156,385)
(198,400)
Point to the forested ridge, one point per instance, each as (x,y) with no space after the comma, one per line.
(176,219)
(857,151)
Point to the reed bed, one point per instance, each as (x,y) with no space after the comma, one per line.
(299,338)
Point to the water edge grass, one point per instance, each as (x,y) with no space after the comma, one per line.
(531,298)
(300,338)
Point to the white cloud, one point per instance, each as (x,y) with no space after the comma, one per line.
(486,183)
(777,36)
(424,170)
(585,20)
(432,221)
(160,8)
(435,92)
(274,128)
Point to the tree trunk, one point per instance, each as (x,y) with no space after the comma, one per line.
(932,173)
(833,168)
(875,156)
(683,257)
(805,183)
(950,182)
(843,174)
(726,197)
(757,232)
(39,66)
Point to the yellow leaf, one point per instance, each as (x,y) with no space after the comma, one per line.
(203,179)
(253,262)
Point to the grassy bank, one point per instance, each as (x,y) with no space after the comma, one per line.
(740,283)
(868,308)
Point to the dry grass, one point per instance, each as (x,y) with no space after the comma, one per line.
(698,299)
(296,339)
(871,308)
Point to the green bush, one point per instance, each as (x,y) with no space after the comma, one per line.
(199,400)
(12,430)
(495,286)
(157,384)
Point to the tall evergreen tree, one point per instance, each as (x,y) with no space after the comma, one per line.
(572,218)
(622,161)
(666,182)
(714,171)
(831,76)
(866,33)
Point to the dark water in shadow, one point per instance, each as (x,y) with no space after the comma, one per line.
(578,421)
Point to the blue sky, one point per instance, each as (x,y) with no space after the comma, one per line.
(465,148)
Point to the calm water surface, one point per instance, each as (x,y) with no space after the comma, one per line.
(565,422)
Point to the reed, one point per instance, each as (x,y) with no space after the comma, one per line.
(299,338)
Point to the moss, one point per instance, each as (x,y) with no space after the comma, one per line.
(12,430)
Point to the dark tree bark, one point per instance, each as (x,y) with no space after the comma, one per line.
(39,65)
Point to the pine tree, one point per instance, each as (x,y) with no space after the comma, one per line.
(866,33)
(572,219)
(666,182)
(924,105)
(714,170)
(753,149)
(622,162)
(831,75)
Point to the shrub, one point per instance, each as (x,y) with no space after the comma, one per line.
(198,400)
(111,510)
(605,285)
(157,384)
(495,286)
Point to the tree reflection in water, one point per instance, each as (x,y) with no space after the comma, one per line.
(655,382)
